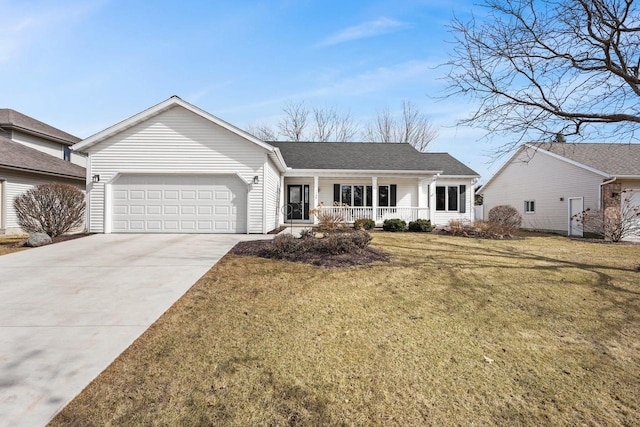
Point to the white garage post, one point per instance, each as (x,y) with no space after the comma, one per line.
(248,194)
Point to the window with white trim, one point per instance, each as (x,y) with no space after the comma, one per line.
(362,195)
(451,198)
(529,206)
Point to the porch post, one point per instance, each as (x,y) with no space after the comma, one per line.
(432,200)
(282,201)
(374,198)
(423,195)
(315,197)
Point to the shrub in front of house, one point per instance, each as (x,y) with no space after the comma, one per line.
(420,225)
(52,208)
(505,217)
(286,246)
(364,224)
(394,224)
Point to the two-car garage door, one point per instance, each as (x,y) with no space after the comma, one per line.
(179,204)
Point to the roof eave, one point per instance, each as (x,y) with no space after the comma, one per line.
(357,172)
(43,172)
(39,134)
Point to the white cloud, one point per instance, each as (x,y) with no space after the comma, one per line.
(364,30)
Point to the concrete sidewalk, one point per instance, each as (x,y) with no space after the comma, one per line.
(68,310)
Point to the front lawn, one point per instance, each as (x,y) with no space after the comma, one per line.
(451,331)
(11,243)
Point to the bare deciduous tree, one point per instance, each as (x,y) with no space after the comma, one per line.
(543,68)
(331,125)
(294,123)
(263,132)
(413,127)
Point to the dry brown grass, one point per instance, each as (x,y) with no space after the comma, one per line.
(453,331)
(9,244)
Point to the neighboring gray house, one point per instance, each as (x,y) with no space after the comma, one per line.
(176,168)
(550,183)
(32,153)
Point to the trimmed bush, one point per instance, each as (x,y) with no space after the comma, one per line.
(51,208)
(364,224)
(420,225)
(394,224)
(506,217)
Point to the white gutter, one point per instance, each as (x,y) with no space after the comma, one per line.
(600,191)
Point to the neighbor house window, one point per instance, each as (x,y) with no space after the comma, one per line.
(66,154)
(451,198)
(529,206)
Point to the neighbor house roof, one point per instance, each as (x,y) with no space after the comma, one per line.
(368,156)
(613,159)
(605,159)
(17,156)
(12,119)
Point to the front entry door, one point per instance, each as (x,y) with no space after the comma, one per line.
(298,202)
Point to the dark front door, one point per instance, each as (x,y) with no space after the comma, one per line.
(298,202)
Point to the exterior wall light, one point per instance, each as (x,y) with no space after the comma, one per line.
(256,179)
(95,178)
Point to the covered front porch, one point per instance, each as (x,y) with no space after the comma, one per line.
(355,196)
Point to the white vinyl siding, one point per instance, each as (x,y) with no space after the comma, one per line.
(52,148)
(548,181)
(16,183)
(271,196)
(180,142)
(442,217)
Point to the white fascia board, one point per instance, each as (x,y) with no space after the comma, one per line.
(567,160)
(157,109)
(627,176)
(277,158)
(355,173)
(458,176)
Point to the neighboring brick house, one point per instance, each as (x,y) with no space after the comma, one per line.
(32,153)
(550,183)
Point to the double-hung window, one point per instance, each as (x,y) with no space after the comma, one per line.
(362,195)
(451,198)
(529,206)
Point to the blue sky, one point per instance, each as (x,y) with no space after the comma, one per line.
(84,65)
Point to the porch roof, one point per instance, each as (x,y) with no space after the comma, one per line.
(361,156)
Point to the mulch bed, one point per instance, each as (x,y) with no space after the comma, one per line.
(362,257)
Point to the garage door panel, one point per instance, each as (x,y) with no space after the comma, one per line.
(179,204)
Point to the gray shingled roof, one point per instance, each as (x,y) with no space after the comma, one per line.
(614,159)
(15,155)
(367,156)
(13,119)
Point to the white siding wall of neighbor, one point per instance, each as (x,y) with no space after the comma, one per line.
(175,141)
(272,195)
(548,182)
(16,183)
(54,149)
(443,217)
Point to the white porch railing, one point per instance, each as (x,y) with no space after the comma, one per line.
(351,214)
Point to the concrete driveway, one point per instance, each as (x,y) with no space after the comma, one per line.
(69,309)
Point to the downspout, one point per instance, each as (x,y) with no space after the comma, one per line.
(600,191)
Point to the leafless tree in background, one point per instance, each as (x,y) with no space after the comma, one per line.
(294,123)
(543,68)
(412,127)
(325,124)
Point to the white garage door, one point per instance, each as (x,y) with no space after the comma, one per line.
(179,204)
